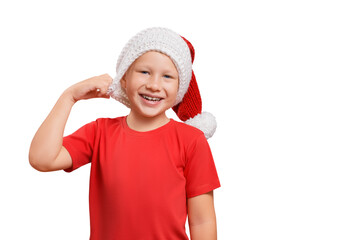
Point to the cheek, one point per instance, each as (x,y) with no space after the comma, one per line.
(129,89)
(123,83)
(175,86)
(173,90)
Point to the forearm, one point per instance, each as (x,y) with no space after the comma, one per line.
(47,141)
(204,231)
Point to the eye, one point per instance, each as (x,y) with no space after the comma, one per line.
(144,72)
(167,76)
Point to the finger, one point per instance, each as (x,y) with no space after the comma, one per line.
(107,77)
(103,96)
(102,92)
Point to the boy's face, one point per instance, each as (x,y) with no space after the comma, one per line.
(151,84)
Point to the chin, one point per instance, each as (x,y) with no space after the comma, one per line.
(152,114)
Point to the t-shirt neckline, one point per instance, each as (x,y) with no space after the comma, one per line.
(146,133)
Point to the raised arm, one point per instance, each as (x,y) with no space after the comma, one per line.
(46,151)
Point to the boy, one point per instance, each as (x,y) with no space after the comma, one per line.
(148,172)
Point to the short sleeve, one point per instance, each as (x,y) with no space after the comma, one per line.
(200,171)
(80,145)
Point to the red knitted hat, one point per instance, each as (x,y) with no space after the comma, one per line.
(190,108)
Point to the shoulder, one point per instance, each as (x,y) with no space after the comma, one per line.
(187,132)
(102,124)
(109,121)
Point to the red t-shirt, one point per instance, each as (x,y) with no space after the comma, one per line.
(139,181)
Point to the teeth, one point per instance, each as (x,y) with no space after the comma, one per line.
(151,98)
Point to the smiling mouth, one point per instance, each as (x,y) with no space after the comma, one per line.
(153,99)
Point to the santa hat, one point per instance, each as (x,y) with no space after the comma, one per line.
(188,106)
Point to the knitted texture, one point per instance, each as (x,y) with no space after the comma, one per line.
(189,109)
(191,104)
(154,39)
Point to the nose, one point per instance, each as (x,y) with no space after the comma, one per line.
(154,83)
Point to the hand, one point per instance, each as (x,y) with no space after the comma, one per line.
(95,87)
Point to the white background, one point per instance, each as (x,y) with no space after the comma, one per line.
(282,78)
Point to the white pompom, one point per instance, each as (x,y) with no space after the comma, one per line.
(204,121)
